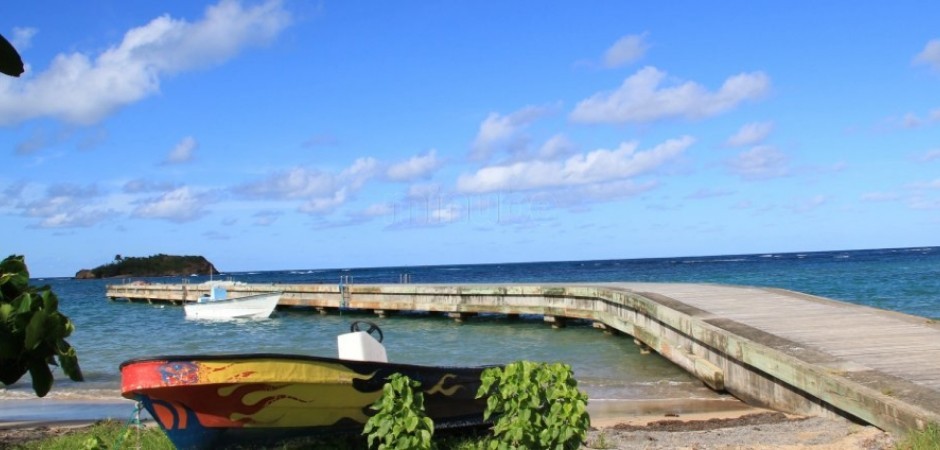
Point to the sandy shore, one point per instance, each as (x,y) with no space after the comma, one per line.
(626,424)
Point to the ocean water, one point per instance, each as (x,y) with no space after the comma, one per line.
(607,367)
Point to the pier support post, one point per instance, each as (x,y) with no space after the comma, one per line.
(607,329)
(458,317)
(556,321)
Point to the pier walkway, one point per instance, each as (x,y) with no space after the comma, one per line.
(774,348)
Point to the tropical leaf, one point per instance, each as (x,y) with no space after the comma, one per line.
(32,330)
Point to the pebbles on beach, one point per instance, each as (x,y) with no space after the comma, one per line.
(761,431)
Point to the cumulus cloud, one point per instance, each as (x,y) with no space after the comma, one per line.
(179,205)
(626,50)
(140,185)
(183,152)
(416,167)
(23,37)
(594,167)
(642,98)
(761,162)
(555,147)
(83,89)
(499,131)
(64,206)
(751,134)
(930,55)
(320,191)
(377,210)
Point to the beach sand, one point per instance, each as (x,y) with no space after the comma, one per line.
(615,424)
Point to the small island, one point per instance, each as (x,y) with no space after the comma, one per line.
(150,266)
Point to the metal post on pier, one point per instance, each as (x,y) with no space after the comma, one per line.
(345,281)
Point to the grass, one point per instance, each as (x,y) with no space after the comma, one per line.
(926,439)
(103,435)
(112,435)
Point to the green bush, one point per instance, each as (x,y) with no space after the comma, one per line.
(538,405)
(401,422)
(32,330)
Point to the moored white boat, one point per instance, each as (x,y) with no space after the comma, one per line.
(219,306)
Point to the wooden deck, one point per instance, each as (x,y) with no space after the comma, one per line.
(770,347)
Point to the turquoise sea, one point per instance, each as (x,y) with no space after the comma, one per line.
(607,367)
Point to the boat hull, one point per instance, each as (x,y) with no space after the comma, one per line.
(202,401)
(251,307)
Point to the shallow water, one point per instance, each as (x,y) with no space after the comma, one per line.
(607,367)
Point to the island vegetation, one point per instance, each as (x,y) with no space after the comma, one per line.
(159,265)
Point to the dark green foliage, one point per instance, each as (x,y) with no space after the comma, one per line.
(537,405)
(32,330)
(400,422)
(154,266)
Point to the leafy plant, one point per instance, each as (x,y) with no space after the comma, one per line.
(32,330)
(538,405)
(401,422)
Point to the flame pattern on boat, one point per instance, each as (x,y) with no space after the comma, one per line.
(197,394)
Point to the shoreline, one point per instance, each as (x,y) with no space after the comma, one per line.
(615,424)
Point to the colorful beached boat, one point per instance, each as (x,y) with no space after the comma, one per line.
(202,401)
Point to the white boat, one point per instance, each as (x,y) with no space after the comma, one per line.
(219,306)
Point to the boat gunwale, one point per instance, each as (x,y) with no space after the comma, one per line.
(295,357)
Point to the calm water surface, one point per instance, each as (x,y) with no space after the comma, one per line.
(107,333)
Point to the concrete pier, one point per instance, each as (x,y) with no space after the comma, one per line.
(773,348)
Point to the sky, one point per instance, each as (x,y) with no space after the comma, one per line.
(282,135)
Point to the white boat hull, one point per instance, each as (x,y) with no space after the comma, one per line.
(251,307)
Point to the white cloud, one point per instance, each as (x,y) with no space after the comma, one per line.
(930,56)
(325,204)
(556,147)
(266,218)
(183,152)
(761,162)
(641,98)
(626,50)
(179,205)
(930,155)
(377,210)
(416,167)
(140,185)
(498,131)
(63,206)
(83,89)
(23,37)
(423,190)
(598,166)
(320,191)
(933,184)
(751,134)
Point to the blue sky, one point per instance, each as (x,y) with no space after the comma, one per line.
(289,135)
